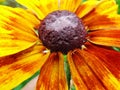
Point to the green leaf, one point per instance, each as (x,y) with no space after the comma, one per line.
(118,2)
(73,87)
(116,48)
(67,70)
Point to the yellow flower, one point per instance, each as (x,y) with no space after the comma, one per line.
(37,37)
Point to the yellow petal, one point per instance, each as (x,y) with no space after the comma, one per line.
(19,18)
(70,5)
(40,7)
(86,7)
(52,75)
(105,7)
(18,67)
(16,31)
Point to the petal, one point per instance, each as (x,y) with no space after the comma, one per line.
(79,84)
(103,9)
(70,5)
(104,22)
(52,75)
(86,7)
(19,18)
(82,75)
(99,68)
(105,37)
(111,58)
(16,68)
(16,31)
(40,7)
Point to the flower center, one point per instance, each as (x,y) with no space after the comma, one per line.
(62,31)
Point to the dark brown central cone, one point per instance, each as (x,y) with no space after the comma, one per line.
(62,31)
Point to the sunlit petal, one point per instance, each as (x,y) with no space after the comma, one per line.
(52,75)
(70,5)
(19,18)
(40,7)
(16,30)
(102,10)
(105,37)
(18,67)
(105,7)
(86,7)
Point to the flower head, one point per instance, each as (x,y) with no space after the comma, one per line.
(36,38)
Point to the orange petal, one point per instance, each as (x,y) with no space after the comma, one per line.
(84,74)
(16,68)
(40,7)
(52,75)
(99,68)
(16,30)
(79,83)
(105,37)
(70,5)
(104,22)
(110,57)
(86,7)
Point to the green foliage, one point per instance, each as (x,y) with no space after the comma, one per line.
(73,87)
(117,49)
(84,0)
(67,70)
(11,3)
(118,2)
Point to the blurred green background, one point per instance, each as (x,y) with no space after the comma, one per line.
(13,3)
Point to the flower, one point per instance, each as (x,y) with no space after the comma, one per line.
(93,64)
